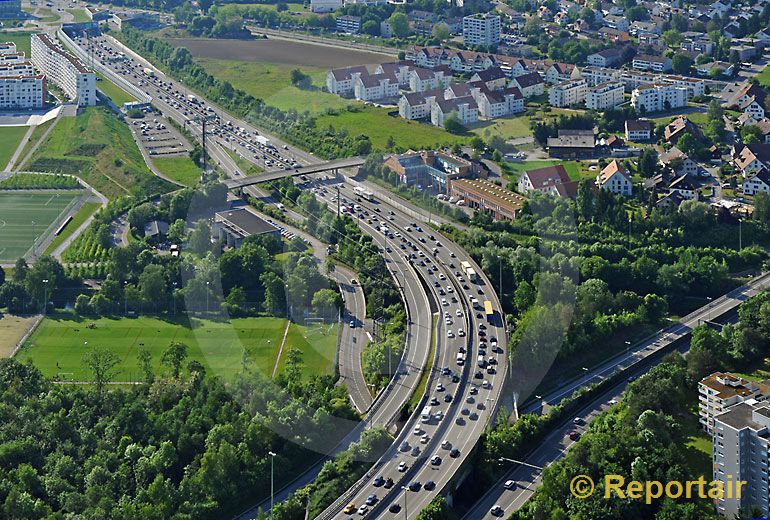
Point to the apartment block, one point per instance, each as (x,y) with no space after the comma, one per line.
(658,98)
(604,96)
(596,75)
(64,69)
(568,93)
(720,391)
(22,92)
(481,29)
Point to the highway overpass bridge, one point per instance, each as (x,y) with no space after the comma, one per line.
(351,162)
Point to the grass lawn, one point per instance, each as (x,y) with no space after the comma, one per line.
(272,83)
(757,371)
(47,15)
(21,39)
(575,169)
(507,128)
(12,328)
(88,209)
(699,118)
(379,126)
(79,14)
(219,346)
(182,169)
(97,147)
(114,92)
(19,210)
(764,77)
(37,133)
(10,137)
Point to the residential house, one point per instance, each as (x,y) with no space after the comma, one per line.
(613,35)
(679,162)
(639,130)
(615,179)
(680,126)
(757,182)
(498,103)
(417,105)
(484,195)
(611,57)
(685,187)
(653,63)
(421,79)
(374,87)
(750,99)
(618,22)
(466,109)
(722,67)
(530,84)
(561,72)
(494,78)
(750,158)
(552,180)
(341,81)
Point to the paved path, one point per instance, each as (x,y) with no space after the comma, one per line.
(20,148)
(34,148)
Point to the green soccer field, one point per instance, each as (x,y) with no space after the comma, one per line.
(18,211)
(58,344)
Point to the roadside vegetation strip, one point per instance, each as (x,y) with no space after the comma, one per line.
(79,15)
(114,92)
(88,209)
(419,390)
(10,139)
(181,169)
(36,181)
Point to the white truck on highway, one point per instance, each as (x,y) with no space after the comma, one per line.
(149,72)
(426,416)
(264,141)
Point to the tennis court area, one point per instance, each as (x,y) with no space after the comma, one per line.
(26,216)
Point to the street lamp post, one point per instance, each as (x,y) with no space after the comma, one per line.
(406,490)
(740,234)
(125,298)
(272,482)
(500,275)
(628,346)
(585,369)
(207,296)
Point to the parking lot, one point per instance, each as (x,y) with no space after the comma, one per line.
(157,138)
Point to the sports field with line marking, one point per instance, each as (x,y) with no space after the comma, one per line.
(59,343)
(19,210)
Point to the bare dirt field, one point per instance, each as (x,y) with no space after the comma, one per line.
(277,51)
(12,329)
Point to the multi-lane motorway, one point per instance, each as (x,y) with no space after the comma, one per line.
(462,422)
(526,477)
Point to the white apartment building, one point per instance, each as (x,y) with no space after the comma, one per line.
(481,29)
(7,48)
(13,57)
(22,92)
(568,93)
(16,69)
(596,75)
(653,63)
(421,79)
(466,108)
(741,444)
(64,69)
(694,86)
(373,87)
(720,391)
(325,6)
(342,81)
(657,98)
(604,96)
